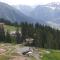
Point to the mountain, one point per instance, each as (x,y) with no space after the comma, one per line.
(10,13)
(49,13)
(54,4)
(25,9)
(45,14)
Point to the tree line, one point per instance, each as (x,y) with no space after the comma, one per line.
(44,36)
(7,37)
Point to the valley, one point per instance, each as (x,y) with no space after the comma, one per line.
(30,32)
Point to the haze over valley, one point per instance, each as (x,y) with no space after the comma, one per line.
(29,29)
(48,14)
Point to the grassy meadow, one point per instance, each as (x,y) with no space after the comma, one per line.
(44,54)
(10,28)
(51,55)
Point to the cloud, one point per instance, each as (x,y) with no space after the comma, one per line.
(28,2)
(53,25)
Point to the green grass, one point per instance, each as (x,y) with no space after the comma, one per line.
(2,57)
(32,58)
(7,54)
(10,28)
(51,56)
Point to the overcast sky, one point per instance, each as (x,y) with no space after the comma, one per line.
(28,2)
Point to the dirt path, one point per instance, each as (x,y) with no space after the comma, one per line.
(19,58)
(19,49)
(36,55)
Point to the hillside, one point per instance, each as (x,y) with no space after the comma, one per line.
(12,14)
(48,13)
(49,54)
(14,52)
(9,27)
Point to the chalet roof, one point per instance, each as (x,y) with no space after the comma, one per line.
(29,39)
(13,32)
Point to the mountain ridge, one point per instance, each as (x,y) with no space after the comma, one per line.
(48,13)
(10,13)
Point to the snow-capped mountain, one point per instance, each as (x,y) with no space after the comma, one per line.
(45,14)
(49,13)
(54,4)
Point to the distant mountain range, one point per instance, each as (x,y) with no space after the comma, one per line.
(45,14)
(14,15)
(49,13)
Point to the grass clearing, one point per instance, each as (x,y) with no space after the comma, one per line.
(47,54)
(3,57)
(53,55)
(10,28)
(32,58)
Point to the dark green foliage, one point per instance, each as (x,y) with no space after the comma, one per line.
(8,37)
(44,36)
(27,30)
(2,33)
(18,37)
(7,22)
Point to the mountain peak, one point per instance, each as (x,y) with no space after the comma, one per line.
(2,3)
(54,4)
